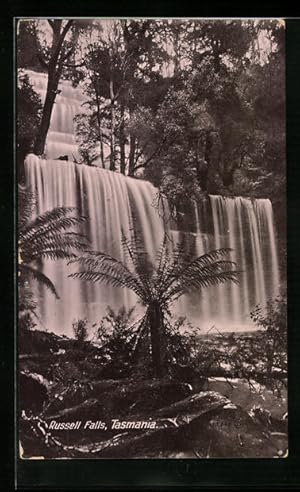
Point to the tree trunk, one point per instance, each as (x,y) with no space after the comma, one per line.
(157,338)
(112,165)
(102,158)
(101,149)
(122,142)
(216,60)
(132,142)
(54,69)
(39,146)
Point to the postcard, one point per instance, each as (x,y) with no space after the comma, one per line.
(151,177)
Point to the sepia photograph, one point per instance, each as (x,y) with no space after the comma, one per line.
(151,228)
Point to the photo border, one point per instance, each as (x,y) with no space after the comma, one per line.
(166,473)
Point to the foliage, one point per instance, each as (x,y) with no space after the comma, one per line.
(214,120)
(193,106)
(27,307)
(28,118)
(116,335)
(47,236)
(118,72)
(174,156)
(273,322)
(54,44)
(114,325)
(80,330)
(260,356)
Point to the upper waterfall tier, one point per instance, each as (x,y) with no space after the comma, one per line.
(111,201)
(69,103)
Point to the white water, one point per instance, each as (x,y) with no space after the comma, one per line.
(69,102)
(110,200)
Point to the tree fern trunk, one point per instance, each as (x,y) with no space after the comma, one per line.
(157,338)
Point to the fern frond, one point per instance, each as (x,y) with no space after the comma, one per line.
(57,225)
(198,282)
(54,247)
(108,266)
(26,206)
(46,236)
(177,268)
(134,249)
(37,275)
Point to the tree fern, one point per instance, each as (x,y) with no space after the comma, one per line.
(35,274)
(176,273)
(47,236)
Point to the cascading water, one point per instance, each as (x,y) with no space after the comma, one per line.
(111,200)
(246,226)
(69,102)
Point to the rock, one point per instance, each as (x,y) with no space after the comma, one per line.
(33,391)
(247,396)
(37,342)
(122,398)
(229,432)
(204,425)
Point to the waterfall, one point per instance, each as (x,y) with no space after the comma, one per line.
(68,103)
(112,201)
(247,227)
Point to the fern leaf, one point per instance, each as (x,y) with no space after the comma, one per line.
(35,274)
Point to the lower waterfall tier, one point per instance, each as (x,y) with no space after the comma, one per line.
(112,201)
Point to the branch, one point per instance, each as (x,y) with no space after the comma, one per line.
(74,65)
(139,166)
(51,22)
(154,154)
(62,36)
(66,28)
(139,154)
(41,58)
(67,54)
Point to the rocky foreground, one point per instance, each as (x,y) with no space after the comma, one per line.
(67,411)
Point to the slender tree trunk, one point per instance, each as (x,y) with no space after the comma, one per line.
(122,142)
(112,165)
(157,339)
(132,143)
(176,53)
(102,152)
(216,58)
(54,68)
(99,121)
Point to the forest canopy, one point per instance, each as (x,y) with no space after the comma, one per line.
(194,106)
